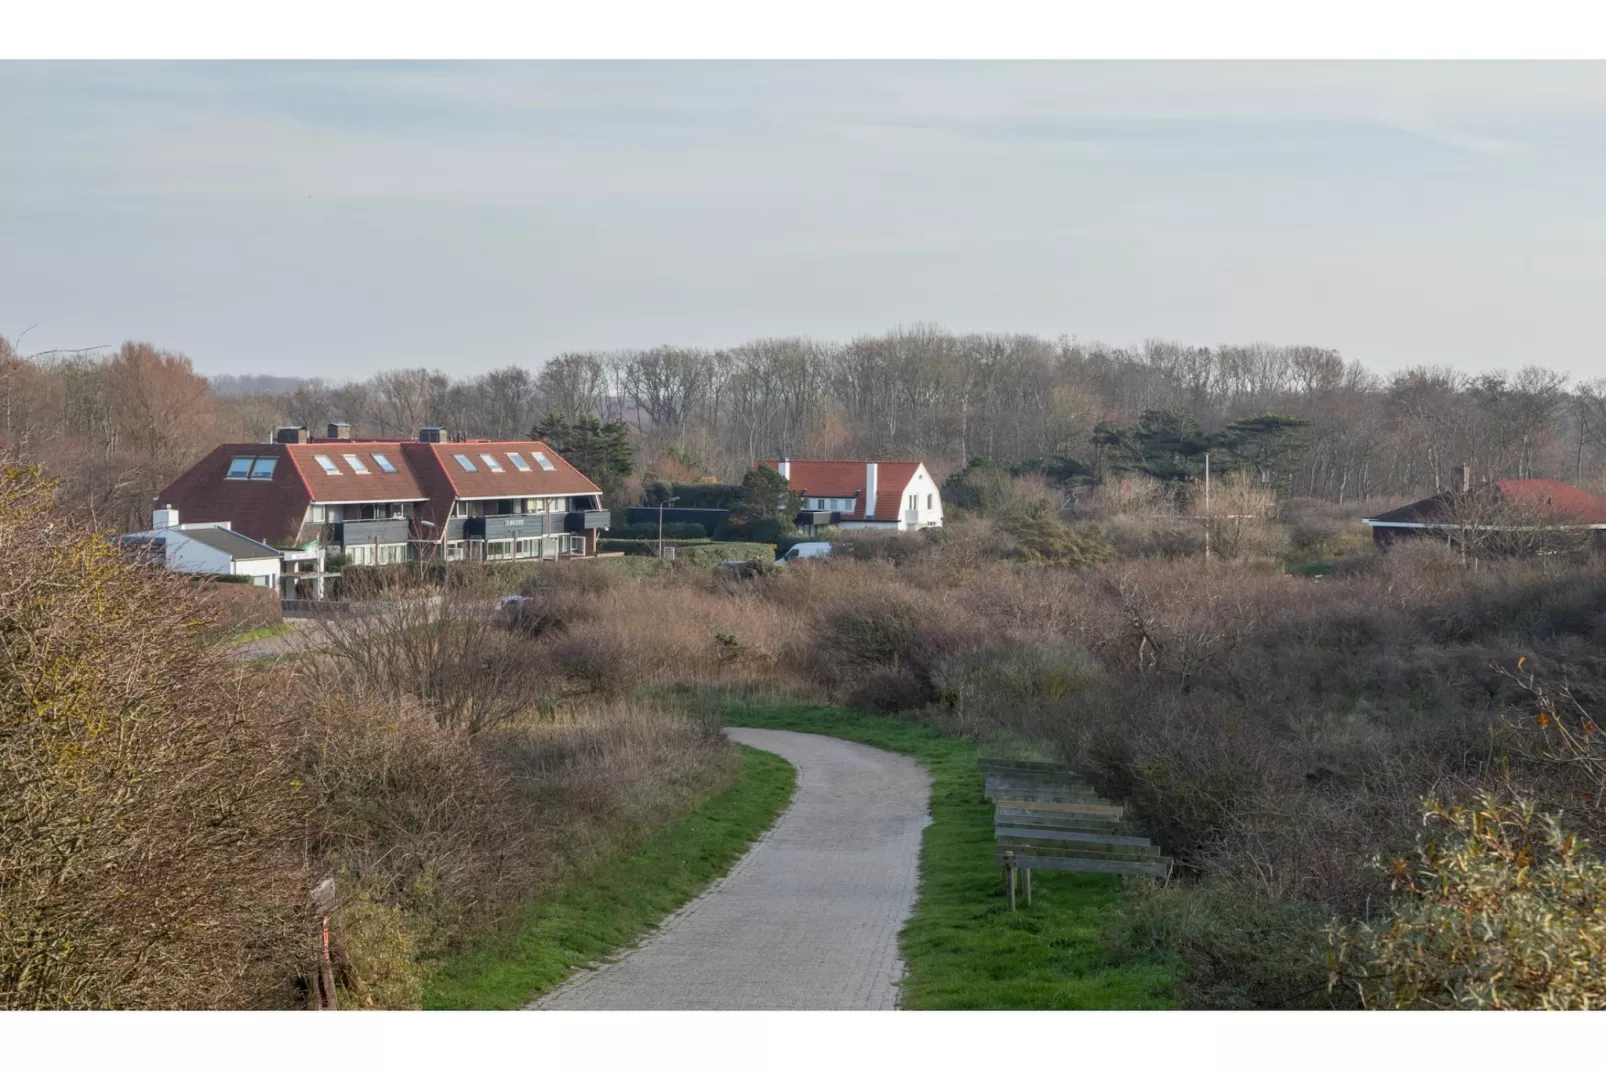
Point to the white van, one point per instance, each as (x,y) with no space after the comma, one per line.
(806,549)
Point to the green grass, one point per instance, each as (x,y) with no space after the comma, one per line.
(963,947)
(613,906)
(265,631)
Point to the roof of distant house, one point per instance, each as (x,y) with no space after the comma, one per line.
(845,479)
(1554,501)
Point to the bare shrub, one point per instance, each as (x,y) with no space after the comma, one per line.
(150,829)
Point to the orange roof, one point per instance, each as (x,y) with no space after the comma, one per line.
(847,479)
(346,483)
(512,481)
(1558,501)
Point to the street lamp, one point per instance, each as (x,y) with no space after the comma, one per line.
(661,504)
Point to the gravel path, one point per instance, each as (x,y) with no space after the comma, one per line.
(809,919)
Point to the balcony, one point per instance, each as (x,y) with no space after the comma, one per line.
(816,518)
(510,526)
(370,532)
(586,520)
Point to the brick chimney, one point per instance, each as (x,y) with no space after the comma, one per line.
(784,466)
(340,431)
(290,434)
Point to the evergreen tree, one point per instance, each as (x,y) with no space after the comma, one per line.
(601,451)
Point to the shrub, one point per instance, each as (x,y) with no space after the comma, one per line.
(1504,911)
(150,827)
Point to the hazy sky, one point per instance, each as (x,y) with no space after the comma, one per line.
(333,219)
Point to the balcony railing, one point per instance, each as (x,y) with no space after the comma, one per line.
(512,526)
(586,520)
(370,532)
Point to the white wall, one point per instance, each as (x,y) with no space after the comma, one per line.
(264,571)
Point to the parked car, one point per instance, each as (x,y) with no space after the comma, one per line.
(805,550)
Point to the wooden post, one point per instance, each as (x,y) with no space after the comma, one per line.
(1028,885)
(323,994)
(1009,872)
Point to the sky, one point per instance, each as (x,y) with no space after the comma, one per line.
(335,219)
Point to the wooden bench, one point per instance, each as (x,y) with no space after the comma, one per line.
(1045,816)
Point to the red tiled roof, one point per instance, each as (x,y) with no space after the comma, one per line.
(845,479)
(272,510)
(510,482)
(376,485)
(1560,502)
(268,510)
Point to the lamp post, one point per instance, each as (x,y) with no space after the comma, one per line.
(661,504)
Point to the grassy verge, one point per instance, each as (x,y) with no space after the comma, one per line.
(264,631)
(613,906)
(964,949)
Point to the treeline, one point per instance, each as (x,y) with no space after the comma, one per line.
(919,392)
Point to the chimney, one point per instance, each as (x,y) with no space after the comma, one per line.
(785,468)
(431,434)
(1463,476)
(290,434)
(342,431)
(870,474)
(165,517)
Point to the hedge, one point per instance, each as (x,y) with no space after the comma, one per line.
(704,553)
(650,531)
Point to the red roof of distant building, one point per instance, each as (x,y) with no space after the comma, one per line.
(1558,502)
(845,479)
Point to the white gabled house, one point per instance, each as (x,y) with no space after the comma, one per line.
(884,495)
(214,549)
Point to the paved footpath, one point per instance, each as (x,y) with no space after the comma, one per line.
(809,919)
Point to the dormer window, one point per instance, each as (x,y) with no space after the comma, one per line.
(240,468)
(263,468)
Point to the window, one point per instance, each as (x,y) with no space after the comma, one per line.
(356,463)
(317,514)
(928,501)
(360,554)
(577,544)
(459,508)
(240,468)
(529,547)
(327,465)
(383,462)
(546,465)
(454,551)
(463,461)
(491,462)
(819,503)
(500,550)
(263,469)
(914,501)
(519,462)
(394,554)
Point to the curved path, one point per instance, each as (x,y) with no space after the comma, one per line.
(809,918)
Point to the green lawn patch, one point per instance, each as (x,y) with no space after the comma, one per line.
(612,907)
(265,631)
(963,947)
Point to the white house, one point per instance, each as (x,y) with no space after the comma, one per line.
(214,549)
(886,495)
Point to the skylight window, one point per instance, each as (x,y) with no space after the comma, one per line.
(263,469)
(356,463)
(519,462)
(462,459)
(383,462)
(329,467)
(240,468)
(546,465)
(490,462)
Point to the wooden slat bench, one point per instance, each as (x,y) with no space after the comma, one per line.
(1047,817)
